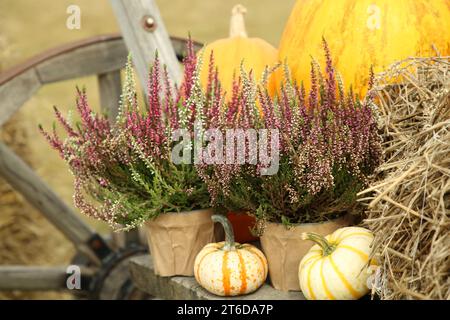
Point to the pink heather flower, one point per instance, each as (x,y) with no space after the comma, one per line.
(321,136)
(115,165)
(190,64)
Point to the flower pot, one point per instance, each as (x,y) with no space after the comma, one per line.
(175,239)
(242,224)
(284,249)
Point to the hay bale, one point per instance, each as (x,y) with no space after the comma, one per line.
(409,201)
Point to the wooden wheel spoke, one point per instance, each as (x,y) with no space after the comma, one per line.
(24,180)
(103,56)
(143,42)
(39,278)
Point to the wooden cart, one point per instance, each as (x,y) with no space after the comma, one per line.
(103,261)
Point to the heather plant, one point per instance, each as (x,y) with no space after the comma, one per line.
(123,172)
(328,145)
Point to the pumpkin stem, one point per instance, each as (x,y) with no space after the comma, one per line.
(237,22)
(229,234)
(327,247)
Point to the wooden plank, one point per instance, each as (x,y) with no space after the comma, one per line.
(24,180)
(16,92)
(35,278)
(110,89)
(142,273)
(96,58)
(142,43)
(32,278)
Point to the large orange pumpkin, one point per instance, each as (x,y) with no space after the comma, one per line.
(361,33)
(254,53)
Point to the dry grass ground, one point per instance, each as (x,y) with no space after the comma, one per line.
(29,27)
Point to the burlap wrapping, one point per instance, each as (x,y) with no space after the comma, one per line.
(284,249)
(175,239)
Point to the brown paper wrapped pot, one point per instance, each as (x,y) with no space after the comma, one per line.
(175,239)
(284,249)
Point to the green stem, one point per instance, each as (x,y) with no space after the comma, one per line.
(327,247)
(229,234)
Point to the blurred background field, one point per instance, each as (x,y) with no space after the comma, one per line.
(29,27)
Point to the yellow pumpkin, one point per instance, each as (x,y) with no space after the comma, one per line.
(361,33)
(254,53)
(337,266)
(228,268)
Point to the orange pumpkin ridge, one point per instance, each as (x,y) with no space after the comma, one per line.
(233,278)
(226,274)
(243,273)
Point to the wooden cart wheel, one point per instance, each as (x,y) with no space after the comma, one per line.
(103,261)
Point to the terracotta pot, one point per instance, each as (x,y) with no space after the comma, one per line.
(284,249)
(175,239)
(242,224)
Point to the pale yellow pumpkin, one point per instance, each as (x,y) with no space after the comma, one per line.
(337,266)
(228,268)
(361,33)
(254,53)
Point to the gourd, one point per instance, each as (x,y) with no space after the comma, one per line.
(228,53)
(336,267)
(227,268)
(361,33)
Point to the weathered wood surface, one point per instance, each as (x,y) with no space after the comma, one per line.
(143,275)
(16,92)
(144,43)
(98,55)
(110,88)
(83,59)
(56,52)
(23,179)
(98,58)
(35,278)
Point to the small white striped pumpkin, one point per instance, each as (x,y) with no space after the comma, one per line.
(228,268)
(336,267)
